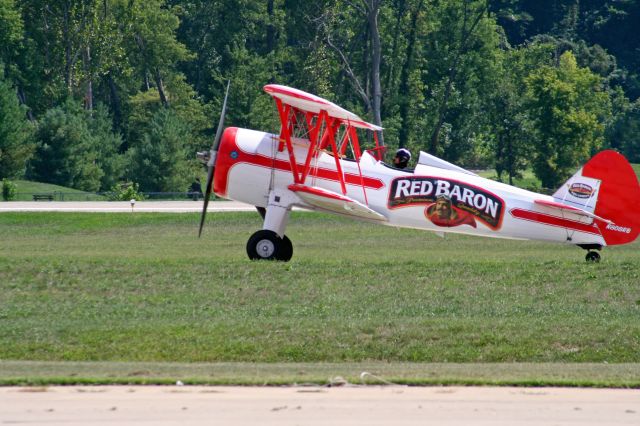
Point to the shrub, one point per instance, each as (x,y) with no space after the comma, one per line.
(124,192)
(9,190)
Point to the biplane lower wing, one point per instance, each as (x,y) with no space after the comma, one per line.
(330,201)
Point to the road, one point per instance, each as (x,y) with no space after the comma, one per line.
(373,405)
(122,206)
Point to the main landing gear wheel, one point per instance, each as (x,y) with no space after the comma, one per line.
(593,256)
(267,245)
(286,251)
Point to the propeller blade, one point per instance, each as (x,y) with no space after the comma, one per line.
(216,141)
(212,160)
(206,199)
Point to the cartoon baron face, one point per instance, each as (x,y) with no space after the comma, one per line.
(442,213)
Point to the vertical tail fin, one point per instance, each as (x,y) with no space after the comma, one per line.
(608,187)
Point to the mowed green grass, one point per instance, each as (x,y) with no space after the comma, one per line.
(25,190)
(142,287)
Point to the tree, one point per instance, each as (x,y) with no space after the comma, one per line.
(510,122)
(623,131)
(154,48)
(15,132)
(569,107)
(67,152)
(366,81)
(107,143)
(11,34)
(462,20)
(160,162)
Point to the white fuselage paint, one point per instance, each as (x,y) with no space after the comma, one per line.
(251,183)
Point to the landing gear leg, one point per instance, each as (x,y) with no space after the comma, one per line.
(270,243)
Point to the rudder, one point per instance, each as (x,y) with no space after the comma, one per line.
(618,198)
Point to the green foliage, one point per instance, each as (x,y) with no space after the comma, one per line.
(9,190)
(77,149)
(11,35)
(453,72)
(623,131)
(125,192)
(568,108)
(160,161)
(107,143)
(15,133)
(67,152)
(510,121)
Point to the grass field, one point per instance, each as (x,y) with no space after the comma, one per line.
(142,288)
(25,190)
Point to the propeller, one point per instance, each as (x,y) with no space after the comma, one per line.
(211,161)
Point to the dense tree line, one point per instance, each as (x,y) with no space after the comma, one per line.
(94,92)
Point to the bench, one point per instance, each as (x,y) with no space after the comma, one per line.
(38,197)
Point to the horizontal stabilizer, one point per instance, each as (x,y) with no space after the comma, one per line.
(333,202)
(570,209)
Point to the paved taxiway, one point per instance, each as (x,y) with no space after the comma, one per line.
(122,206)
(392,405)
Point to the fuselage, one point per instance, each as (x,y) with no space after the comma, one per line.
(249,166)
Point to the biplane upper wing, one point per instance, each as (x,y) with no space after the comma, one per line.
(324,199)
(311,103)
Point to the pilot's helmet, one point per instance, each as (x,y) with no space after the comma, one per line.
(403,155)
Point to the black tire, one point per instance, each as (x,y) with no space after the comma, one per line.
(286,250)
(593,257)
(266,245)
(263,245)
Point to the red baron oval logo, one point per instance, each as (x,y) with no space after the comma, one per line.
(581,190)
(447,202)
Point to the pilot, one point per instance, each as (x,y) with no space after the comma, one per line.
(402,158)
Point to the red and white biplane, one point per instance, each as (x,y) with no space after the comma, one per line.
(316,163)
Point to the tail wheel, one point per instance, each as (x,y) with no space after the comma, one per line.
(593,256)
(267,245)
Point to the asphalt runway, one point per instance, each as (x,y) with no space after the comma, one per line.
(372,405)
(122,206)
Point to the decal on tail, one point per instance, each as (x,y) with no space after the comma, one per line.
(608,187)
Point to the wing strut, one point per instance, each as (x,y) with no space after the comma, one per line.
(303,115)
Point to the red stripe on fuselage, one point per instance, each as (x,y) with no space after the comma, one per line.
(546,219)
(225,161)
